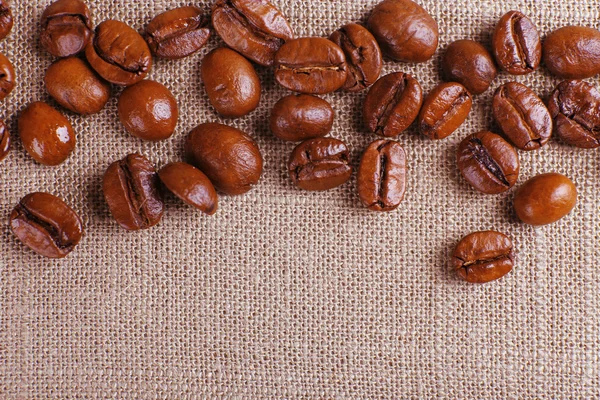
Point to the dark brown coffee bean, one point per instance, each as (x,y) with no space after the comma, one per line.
(522,116)
(300,117)
(131,191)
(483,257)
(66,28)
(178,33)
(392,104)
(4,141)
(190,185)
(255,28)
(444,110)
(382,176)
(516,44)
(7,77)
(363,56)
(488,162)
(320,164)
(46,224)
(470,64)
(6,19)
(311,65)
(573,52)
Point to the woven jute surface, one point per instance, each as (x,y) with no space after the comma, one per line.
(290,294)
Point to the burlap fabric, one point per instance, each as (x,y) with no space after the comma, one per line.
(290,294)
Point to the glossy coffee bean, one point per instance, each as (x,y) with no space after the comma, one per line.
(483,257)
(311,65)
(392,104)
(131,191)
(255,28)
(148,110)
(6,19)
(320,164)
(573,52)
(516,44)
(190,185)
(46,224)
(76,86)
(7,77)
(66,28)
(522,116)
(382,175)
(488,162)
(444,110)
(119,54)
(300,117)
(363,56)
(178,33)
(232,84)
(404,30)
(4,141)
(47,135)
(229,157)
(470,64)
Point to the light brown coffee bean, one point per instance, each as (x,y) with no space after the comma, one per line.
(444,110)
(483,257)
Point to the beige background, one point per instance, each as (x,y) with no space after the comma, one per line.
(290,294)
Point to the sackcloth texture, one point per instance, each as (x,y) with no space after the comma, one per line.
(291,294)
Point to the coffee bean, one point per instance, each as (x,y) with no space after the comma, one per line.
(7,77)
(444,110)
(4,141)
(392,104)
(46,224)
(522,116)
(178,33)
(131,191)
(300,117)
(363,56)
(311,65)
(190,185)
(483,257)
(470,64)
(488,162)
(573,52)
(255,28)
(66,28)
(6,19)
(382,176)
(516,44)
(320,164)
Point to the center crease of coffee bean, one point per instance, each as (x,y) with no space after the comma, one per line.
(519,39)
(390,102)
(133,195)
(451,111)
(230,9)
(46,226)
(513,104)
(483,157)
(138,70)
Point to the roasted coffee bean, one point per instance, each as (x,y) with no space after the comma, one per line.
(392,104)
(522,116)
(232,84)
(46,224)
(488,162)
(382,175)
(444,110)
(178,33)
(320,164)
(47,135)
(470,64)
(6,19)
(148,110)
(545,199)
(311,65)
(76,86)
(573,52)
(4,141)
(7,77)
(516,44)
(131,191)
(255,28)
(190,185)
(66,28)
(300,117)
(363,56)
(483,257)
(404,30)
(119,54)
(229,157)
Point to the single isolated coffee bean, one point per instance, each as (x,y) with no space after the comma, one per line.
(131,191)
(483,257)
(545,199)
(232,84)
(47,135)
(190,185)
(311,65)
(255,28)
(488,162)
(229,157)
(296,118)
(178,33)
(382,175)
(444,110)
(6,19)
(4,141)
(66,28)
(516,44)
(470,64)
(7,77)
(392,104)
(46,224)
(573,52)
(404,30)
(522,116)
